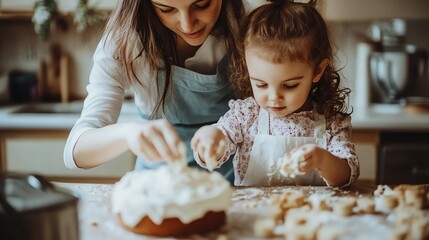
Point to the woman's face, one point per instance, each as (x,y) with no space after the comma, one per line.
(192,20)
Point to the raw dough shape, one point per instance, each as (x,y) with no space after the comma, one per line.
(289,163)
(318,203)
(299,224)
(344,207)
(366,205)
(388,202)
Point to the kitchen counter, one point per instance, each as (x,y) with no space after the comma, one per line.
(390,118)
(249,204)
(62,117)
(377,117)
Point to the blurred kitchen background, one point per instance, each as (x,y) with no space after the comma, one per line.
(382,50)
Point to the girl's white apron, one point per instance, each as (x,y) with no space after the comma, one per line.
(263,168)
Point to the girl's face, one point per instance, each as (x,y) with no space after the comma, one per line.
(281,88)
(192,20)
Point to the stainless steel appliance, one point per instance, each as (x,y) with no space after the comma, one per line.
(33,208)
(397,70)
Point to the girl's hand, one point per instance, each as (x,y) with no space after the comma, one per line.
(209,143)
(154,140)
(313,157)
(333,169)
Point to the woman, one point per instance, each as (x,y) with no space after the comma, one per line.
(172,55)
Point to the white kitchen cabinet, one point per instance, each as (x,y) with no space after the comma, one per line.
(64,6)
(17,5)
(364,10)
(366,145)
(41,152)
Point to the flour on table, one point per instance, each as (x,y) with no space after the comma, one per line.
(246,193)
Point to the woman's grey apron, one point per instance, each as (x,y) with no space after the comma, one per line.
(197,100)
(264,168)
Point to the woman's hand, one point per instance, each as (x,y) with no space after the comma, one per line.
(154,140)
(209,143)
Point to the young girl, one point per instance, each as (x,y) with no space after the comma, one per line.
(291,100)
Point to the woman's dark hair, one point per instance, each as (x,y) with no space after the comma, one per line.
(136,32)
(284,29)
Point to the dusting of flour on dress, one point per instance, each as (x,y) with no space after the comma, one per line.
(171,191)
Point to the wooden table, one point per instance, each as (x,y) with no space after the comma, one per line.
(249,205)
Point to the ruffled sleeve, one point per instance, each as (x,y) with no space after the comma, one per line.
(235,124)
(106,89)
(339,143)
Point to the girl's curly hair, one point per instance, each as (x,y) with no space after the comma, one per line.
(284,29)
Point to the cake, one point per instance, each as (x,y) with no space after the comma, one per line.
(171,201)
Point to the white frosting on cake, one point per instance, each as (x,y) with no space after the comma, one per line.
(171,191)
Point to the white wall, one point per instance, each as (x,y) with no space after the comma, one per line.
(20,48)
